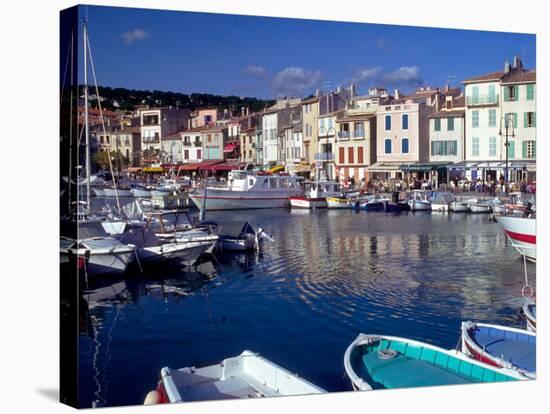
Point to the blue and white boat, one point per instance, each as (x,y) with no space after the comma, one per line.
(387,362)
(530,312)
(373,203)
(501,347)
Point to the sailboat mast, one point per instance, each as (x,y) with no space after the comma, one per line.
(86,127)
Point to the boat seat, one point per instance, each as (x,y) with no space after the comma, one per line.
(518,349)
(403,372)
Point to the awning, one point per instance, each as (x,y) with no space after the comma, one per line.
(423,167)
(277,168)
(189,167)
(230,147)
(302,168)
(207,165)
(153,169)
(227,167)
(384,166)
(134,169)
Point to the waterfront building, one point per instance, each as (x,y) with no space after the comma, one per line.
(490,98)
(192,145)
(447,134)
(203,117)
(128,142)
(310,133)
(231,148)
(213,140)
(269,134)
(157,123)
(172,149)
(248,137)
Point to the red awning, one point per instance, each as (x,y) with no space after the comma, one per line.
(230,147)
(227,167)
(207,165)
(189,167)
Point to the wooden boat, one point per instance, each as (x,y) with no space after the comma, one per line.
(140,192)
(481,207)
(378,362)
(316,194)
(530,313)
(459,207)
(419,201)
(501,347)
(247,375)
(441,201)
(247,240)
(340,203)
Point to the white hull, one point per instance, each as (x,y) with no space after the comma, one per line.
(137,192)
(420,205)
(97,192)
(480,208)
(440,207)
(310,203)
(110,192)
(529,310)
(245,376)
(339,203)
(522,231)
(458,207)
(160,193)
(168,251)
(240,200)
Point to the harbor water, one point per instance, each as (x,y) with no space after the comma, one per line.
(329,275)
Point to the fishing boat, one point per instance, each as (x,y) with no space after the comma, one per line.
(249,190)
(419,201)
(247,375)
(441,201)
(373,203)
(530,313)
(99,255)
(248,239)
(316,194)
(341,203)
(114,192)
(458,207)
(139,191)
(501,347)
(177,226)
(396,207)
(483,207)
(522,231)
(386,362)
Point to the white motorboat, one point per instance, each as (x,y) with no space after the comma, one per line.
(247,375)
(166,187)
(441,201)
(458,207)
(99,255)
(120,192)
(419,201)
(482,207)
(140,192)
(316,194)
(522,231)
(341,203)
(248,190)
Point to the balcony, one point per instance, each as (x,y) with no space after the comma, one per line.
(324,156)
(343,134)
(362,110)
(151,140)
(483,100)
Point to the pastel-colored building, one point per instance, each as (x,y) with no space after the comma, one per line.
(310,121)
(192,145)
(269,135)
(213,141)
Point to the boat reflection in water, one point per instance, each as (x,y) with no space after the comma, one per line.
(330,275)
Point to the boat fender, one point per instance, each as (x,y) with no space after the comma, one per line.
(152,397)
(387,354)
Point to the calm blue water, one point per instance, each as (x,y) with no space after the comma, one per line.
(329,276)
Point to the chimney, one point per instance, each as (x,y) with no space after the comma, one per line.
(396,93)
(317,92)
(242,111)
(247,110)
(447,87)
(506,67)
(518,64)
(437,95)
(338,89)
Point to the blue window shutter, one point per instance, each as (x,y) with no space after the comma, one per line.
(524,149)
(534,149)
(534,119)
(506,94)
(511,149)
(525,120)
(516,93)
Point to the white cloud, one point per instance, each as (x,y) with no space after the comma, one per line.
(366,74)
(296,81)
(255,71)
(404,76)
(134,36)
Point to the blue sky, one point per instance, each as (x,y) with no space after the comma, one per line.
(267,57)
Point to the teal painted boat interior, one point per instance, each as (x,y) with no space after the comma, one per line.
(416,366)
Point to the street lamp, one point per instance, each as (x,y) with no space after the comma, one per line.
(508,124)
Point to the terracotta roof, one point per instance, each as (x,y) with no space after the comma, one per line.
(492,76)
(459,101)
(517,76)
(310,100)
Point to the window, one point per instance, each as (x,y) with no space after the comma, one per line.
(529,119)
(341,155)
(437,124)
(511,93)
(514,117)
(199,154)
(511,149)
(529,149)
(450,124)
(492,117)
(387,146)
(492,146)
(360,155)
(492,93)
(388,122)
(350,155)
(475,119)
(444,148)
(530,92)
(475,95)
(186,154)
(405,145)
(475,146)
(405,121)
(359,131)
(209,138)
